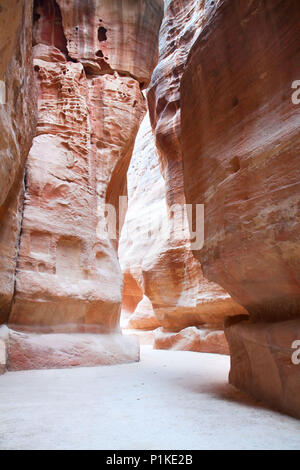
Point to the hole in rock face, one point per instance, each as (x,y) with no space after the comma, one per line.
(36,17)
(235,102)
(235,164)
(99,54)
(102,34)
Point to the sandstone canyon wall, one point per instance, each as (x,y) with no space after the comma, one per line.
(164,286)
(171,277)
(91,61)
(240,141)
(17,125)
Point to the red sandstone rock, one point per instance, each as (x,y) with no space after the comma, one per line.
(181,26)
(54,351)
(60,276)
(105,35)
(262,361)
(240,136)
(202,340)
(143,317)
(240,139)
(17,124)
(68,271)
(156,264)
(180,295)
(132,287)
(3,348)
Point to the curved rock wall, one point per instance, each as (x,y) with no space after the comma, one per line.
(180,295)
(68,270)
(240,137)
(162,278)
(120,35)
(17,125)
(240,140)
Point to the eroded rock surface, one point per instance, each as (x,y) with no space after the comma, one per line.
(192,339)
(54,351)
(68,271)
(181,26)
(17,125)
(161,275)
(240,136)
(240,139)
(171,277)
(265,361)
(143,317)
(68,275)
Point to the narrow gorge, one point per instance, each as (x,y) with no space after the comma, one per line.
(149,202)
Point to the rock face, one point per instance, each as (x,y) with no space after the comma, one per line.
(67,272)
(17,124)
(240,140)
(172,277)
(181,26)
(55,351)
(143,317)
(68,275)
(192,339)
(240,137)
(265,361)
(119,35)
(164,285)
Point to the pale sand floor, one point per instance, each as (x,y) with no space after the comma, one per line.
(170,400)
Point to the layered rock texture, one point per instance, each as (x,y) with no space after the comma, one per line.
(223,132)
(17,125)
(203,340)
(164,268)
(240,140)
(164,285)
(55,351)
(91,61)
(240,136)
(265,361)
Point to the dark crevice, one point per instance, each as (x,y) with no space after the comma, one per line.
(235,164)
(102,37)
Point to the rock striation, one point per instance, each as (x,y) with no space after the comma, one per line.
(68,275)
(173,280)
(240,141)
(202,340)
(55,351)
(17,125)
(265,361)
(164,285)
